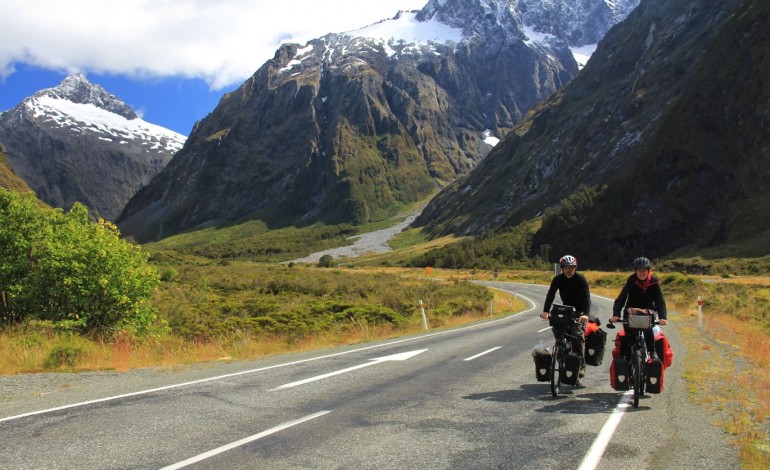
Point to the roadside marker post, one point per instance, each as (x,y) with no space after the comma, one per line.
(700,312)
(424,318)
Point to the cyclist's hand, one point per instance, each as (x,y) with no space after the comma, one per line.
(583,318)
(544,315)
(662,322)
(614,319)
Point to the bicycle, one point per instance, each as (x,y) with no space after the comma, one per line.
(562,316)
(637,322)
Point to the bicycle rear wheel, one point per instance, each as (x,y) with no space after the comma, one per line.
(637,371)
(556,365)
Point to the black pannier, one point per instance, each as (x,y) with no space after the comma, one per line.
(561,315)
(571,370)
(595,343)
(543,367)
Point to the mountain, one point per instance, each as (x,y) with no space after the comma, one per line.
(660,144)
(78,143)
(351,127)
(8,178)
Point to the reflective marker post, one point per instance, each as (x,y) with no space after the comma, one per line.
(700,311)
(424,318)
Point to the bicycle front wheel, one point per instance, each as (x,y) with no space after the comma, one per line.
(556,370)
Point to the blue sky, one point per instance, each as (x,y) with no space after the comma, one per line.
(170,61)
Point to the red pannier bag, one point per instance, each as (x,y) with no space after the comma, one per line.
(663,350)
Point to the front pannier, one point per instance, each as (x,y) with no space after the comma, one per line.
(543,367)
(571,370)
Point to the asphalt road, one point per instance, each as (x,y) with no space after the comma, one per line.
(461,398)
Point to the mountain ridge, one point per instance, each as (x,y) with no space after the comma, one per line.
(350,128)
(622,129)
(77,142)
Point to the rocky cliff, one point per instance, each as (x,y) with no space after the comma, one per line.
(352,126)
(667,131)
(78,143)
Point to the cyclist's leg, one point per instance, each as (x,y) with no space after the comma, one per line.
(579,346)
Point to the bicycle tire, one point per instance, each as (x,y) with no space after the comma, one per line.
(556,370)
(637,371)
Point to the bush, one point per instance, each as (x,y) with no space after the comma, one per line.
(326,261)
(65,269)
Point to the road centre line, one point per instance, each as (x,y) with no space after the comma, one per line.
(261,369)
(243,441)
(595,453)
(481,354)
(394,357)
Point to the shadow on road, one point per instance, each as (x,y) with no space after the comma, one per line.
(572,401)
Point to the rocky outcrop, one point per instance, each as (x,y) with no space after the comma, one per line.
(353,126)
(78,143)
(666,128)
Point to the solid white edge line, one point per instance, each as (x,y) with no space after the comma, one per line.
(243,441)
(481,354)
(245,372)
(595,453)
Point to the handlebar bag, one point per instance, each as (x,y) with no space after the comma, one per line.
(561,315)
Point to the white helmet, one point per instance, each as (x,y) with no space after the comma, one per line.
(568,260)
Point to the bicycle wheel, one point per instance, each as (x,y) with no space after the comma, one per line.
(637,371)
(556,370)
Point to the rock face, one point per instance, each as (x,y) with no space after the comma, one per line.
(78,143)
(353,126)
(667,129)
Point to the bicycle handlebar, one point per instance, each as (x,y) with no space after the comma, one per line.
(611,324)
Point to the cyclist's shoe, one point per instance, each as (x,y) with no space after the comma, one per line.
(582,372)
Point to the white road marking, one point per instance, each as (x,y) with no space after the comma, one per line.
(261,369)
(594,455)
(395,357)
(481,354)
(243,441)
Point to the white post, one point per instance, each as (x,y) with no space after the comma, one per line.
(490,308)
(700,311)
(424,318)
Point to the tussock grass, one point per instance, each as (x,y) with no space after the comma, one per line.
(728,363)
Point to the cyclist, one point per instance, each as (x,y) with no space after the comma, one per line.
(573,290)
(642,290)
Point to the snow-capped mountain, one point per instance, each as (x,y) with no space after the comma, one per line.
(352,125)
(79,143)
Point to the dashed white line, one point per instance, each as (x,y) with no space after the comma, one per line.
(481,354)
(243,441)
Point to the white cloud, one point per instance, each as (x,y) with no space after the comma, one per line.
(222,42)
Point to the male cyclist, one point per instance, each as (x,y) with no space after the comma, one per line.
(642,290)
(573,290)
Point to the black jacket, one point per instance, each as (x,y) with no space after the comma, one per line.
(636,294)
(573,291)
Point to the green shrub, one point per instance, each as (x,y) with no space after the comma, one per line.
(65,269)
(62,356)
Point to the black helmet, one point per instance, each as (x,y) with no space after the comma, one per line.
(642,262)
